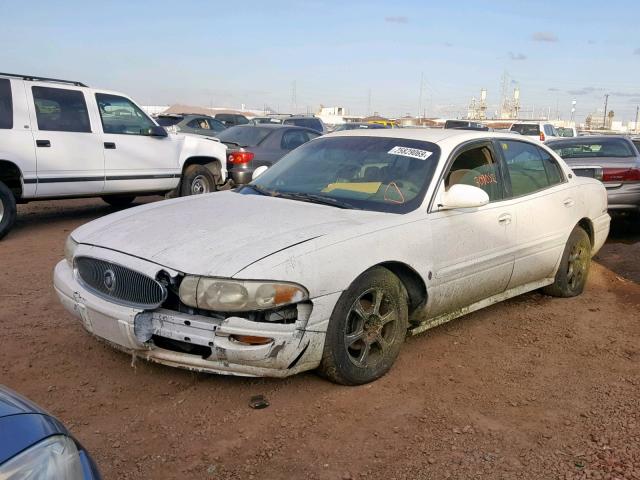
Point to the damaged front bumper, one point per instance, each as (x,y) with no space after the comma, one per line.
(212,343)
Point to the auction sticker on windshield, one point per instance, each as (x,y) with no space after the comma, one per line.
(410,152)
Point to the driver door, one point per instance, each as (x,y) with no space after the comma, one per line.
(476,245)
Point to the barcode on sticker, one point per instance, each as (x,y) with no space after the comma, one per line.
(410,152)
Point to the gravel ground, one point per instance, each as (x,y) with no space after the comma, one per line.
(533,388)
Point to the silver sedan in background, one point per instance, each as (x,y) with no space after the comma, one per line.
(614,160)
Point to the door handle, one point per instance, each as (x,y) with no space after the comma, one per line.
(43,143)
(569,202)
(504,219)
(110,145)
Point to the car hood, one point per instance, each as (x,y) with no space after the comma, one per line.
(217,234)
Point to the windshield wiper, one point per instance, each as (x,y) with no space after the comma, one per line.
(313,198)
(260,190)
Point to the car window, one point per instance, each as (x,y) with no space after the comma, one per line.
(530,167)
(530,129)
(6,104)
(216,125)
(312,123)
(120,115)
(61,110)
(244,135)
(637,144)
(477,167)
(371,173)
(293,139)
(597,148)
(199,123)
(169,121)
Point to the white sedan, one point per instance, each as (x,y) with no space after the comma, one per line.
(332,256)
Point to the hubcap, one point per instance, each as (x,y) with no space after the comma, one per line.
(370,328)
(199,185)
(577,265)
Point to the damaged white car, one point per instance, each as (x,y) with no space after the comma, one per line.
(332,256)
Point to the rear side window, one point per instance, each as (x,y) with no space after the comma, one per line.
(550,131)
(530,168)
(526,129)
(61,110)
(6,104)
(294,138)
(121,116)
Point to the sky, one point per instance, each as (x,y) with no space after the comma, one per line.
(367,56)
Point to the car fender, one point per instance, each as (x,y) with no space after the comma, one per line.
(198,146)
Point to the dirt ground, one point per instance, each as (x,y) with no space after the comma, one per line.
(533,388)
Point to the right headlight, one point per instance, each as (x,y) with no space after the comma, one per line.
(70,246)
(55,457)
(225,295)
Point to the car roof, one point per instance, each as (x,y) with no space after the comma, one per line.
(427,135)
(588,138)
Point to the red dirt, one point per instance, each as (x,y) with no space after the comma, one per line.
(533,388)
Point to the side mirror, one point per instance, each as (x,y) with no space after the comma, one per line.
(259,171)
(464,196)
(155,131)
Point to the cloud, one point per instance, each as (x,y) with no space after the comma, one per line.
(544,37)
(591,42)
(585,91)
(553,89)
(625,94)
(517,56)
(636,51)
(396,19)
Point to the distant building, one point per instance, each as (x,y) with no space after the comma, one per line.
(335,115)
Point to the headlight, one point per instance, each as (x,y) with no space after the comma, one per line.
(55,457)
(237,295)
(70,246)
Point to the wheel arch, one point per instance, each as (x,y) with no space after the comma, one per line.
(587,225)
(412,281)
(11,176)
(209,162)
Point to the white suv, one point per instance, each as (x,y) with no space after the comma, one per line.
(62,139)
(539,130)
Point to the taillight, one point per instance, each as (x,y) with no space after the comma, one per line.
(240,157)
(621,175)
(542,138)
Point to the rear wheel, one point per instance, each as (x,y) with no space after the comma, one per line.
(7,209)
(574,266)
(119,201)
(198,179)
(366,330)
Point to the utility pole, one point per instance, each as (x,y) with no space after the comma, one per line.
(604,116)
(294,99)
(420,100)
(369,103)
(637,111)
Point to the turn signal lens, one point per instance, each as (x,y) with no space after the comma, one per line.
(251,339)
(542,137)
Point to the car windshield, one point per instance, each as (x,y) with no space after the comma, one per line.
(168,121)
(312,123)
(564,132)
(526,129)
(597,148)
(244,135)
(370,173)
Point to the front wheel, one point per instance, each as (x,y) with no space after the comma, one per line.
(198,179)
(7,209)
(574,266)
(366,330)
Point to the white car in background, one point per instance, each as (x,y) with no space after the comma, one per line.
(536,130)
(347,244)
(62,139)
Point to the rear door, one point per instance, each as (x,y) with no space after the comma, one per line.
(545,204)
(70,160)
(134,160)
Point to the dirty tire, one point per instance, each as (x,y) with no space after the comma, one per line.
(198,179)
(119,201)
(574,266)
(7,210)
(366,330)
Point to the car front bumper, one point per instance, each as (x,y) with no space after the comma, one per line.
(294,347)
